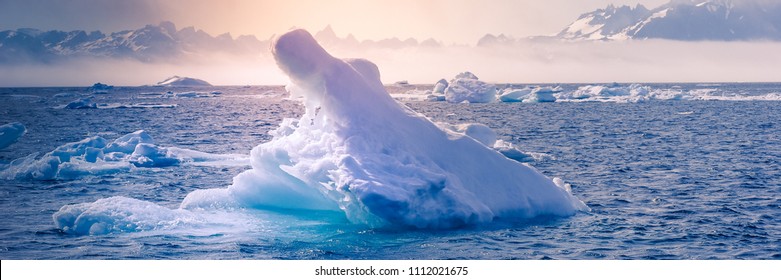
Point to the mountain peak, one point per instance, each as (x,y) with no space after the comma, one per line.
(718,20)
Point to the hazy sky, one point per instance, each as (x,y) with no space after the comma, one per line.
(451,21)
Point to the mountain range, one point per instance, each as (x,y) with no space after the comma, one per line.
(686,20)
(149,43)
(160,42)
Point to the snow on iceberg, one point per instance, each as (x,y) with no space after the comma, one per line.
(96,156)
(514,95)
(177,81)
(358,151)
(542,94)
(465,87)
(10,133)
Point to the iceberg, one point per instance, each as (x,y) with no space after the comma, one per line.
(100,88)
(465,87)
(176,81)
(358,151)
(542,94)
(10,133)
(83,103)
(439,87)
(514,95)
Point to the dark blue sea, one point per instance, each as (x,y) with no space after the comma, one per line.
(665,179)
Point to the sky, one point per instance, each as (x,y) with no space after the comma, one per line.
(450,21)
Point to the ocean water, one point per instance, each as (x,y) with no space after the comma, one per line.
(664,179)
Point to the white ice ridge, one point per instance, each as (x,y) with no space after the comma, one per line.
(357,150)
(10,133)
(96,156)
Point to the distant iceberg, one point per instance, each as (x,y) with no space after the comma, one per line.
(466,87)
(99,88)
(10,133)
(177,81)
(542,94)
(83,103)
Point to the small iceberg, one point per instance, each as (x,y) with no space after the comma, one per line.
(83,103)
(177,81)
(542,94)
(514,95)
(10,133)
(99,88)
(466,87)
(358,151)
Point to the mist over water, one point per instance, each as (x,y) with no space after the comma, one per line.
(530,61)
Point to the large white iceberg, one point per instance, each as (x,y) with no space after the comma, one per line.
(10,133)
(357,150)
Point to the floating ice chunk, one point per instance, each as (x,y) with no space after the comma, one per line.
(464,88)
(514,95)
(358,151)
(466,75)
(118,214)
(83,103)
(92,156)
(128,142)
(66,151)
(435,97)
(135,106)
(542,94)
(99,88)
(10,133)
(439,87)
(65,95)
(512,152)
(148,155)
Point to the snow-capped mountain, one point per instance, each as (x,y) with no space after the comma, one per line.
(150,43)
(690,20)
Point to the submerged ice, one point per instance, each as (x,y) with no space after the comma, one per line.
(355,151)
